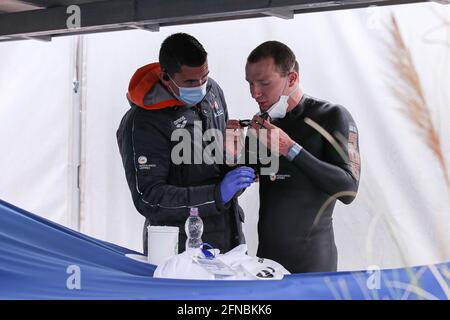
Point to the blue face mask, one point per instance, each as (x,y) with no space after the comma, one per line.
(191,96)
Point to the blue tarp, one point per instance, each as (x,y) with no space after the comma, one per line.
(36,256)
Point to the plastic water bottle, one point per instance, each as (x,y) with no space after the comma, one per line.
(194,229)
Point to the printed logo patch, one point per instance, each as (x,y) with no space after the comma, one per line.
(180,123)
(142,160)
(353,154)
(218,111)
(274,176)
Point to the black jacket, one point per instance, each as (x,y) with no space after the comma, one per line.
(162,190)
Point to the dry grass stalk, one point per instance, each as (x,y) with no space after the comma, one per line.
(409,91)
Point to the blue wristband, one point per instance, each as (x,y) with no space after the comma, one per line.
(293,151)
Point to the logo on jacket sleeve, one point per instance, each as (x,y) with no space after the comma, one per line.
(180,123)
(142,161)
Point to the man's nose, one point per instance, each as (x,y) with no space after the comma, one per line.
(256,93)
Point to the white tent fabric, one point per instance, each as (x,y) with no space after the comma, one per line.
(35,105)
(402,213)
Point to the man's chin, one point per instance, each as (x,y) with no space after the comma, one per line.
(263,107)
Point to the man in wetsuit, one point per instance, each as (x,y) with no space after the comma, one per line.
(318,163)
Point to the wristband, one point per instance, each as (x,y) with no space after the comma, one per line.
(293,151)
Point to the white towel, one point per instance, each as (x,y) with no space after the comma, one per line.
(233,265)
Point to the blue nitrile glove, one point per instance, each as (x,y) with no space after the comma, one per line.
(236,180)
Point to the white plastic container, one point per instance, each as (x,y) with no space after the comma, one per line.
(162,243)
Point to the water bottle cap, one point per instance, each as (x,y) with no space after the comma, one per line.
(194,212)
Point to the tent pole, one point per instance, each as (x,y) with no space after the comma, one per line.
(76,136)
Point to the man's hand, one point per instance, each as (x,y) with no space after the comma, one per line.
(236,180)
(269,133)
(234,139)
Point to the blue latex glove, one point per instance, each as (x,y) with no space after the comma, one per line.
(236,180)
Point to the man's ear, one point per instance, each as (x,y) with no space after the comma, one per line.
(162,75)
(293,78)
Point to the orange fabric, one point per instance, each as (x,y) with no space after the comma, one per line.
(142,81)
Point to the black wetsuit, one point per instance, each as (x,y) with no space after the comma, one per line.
(302,190)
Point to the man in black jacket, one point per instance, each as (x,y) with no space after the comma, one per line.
(317,145)
(170,101)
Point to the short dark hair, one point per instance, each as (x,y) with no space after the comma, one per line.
(282,55)
(181,49)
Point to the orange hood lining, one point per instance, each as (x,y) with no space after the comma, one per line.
(143,80)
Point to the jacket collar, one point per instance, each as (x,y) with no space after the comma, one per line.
(146,91)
